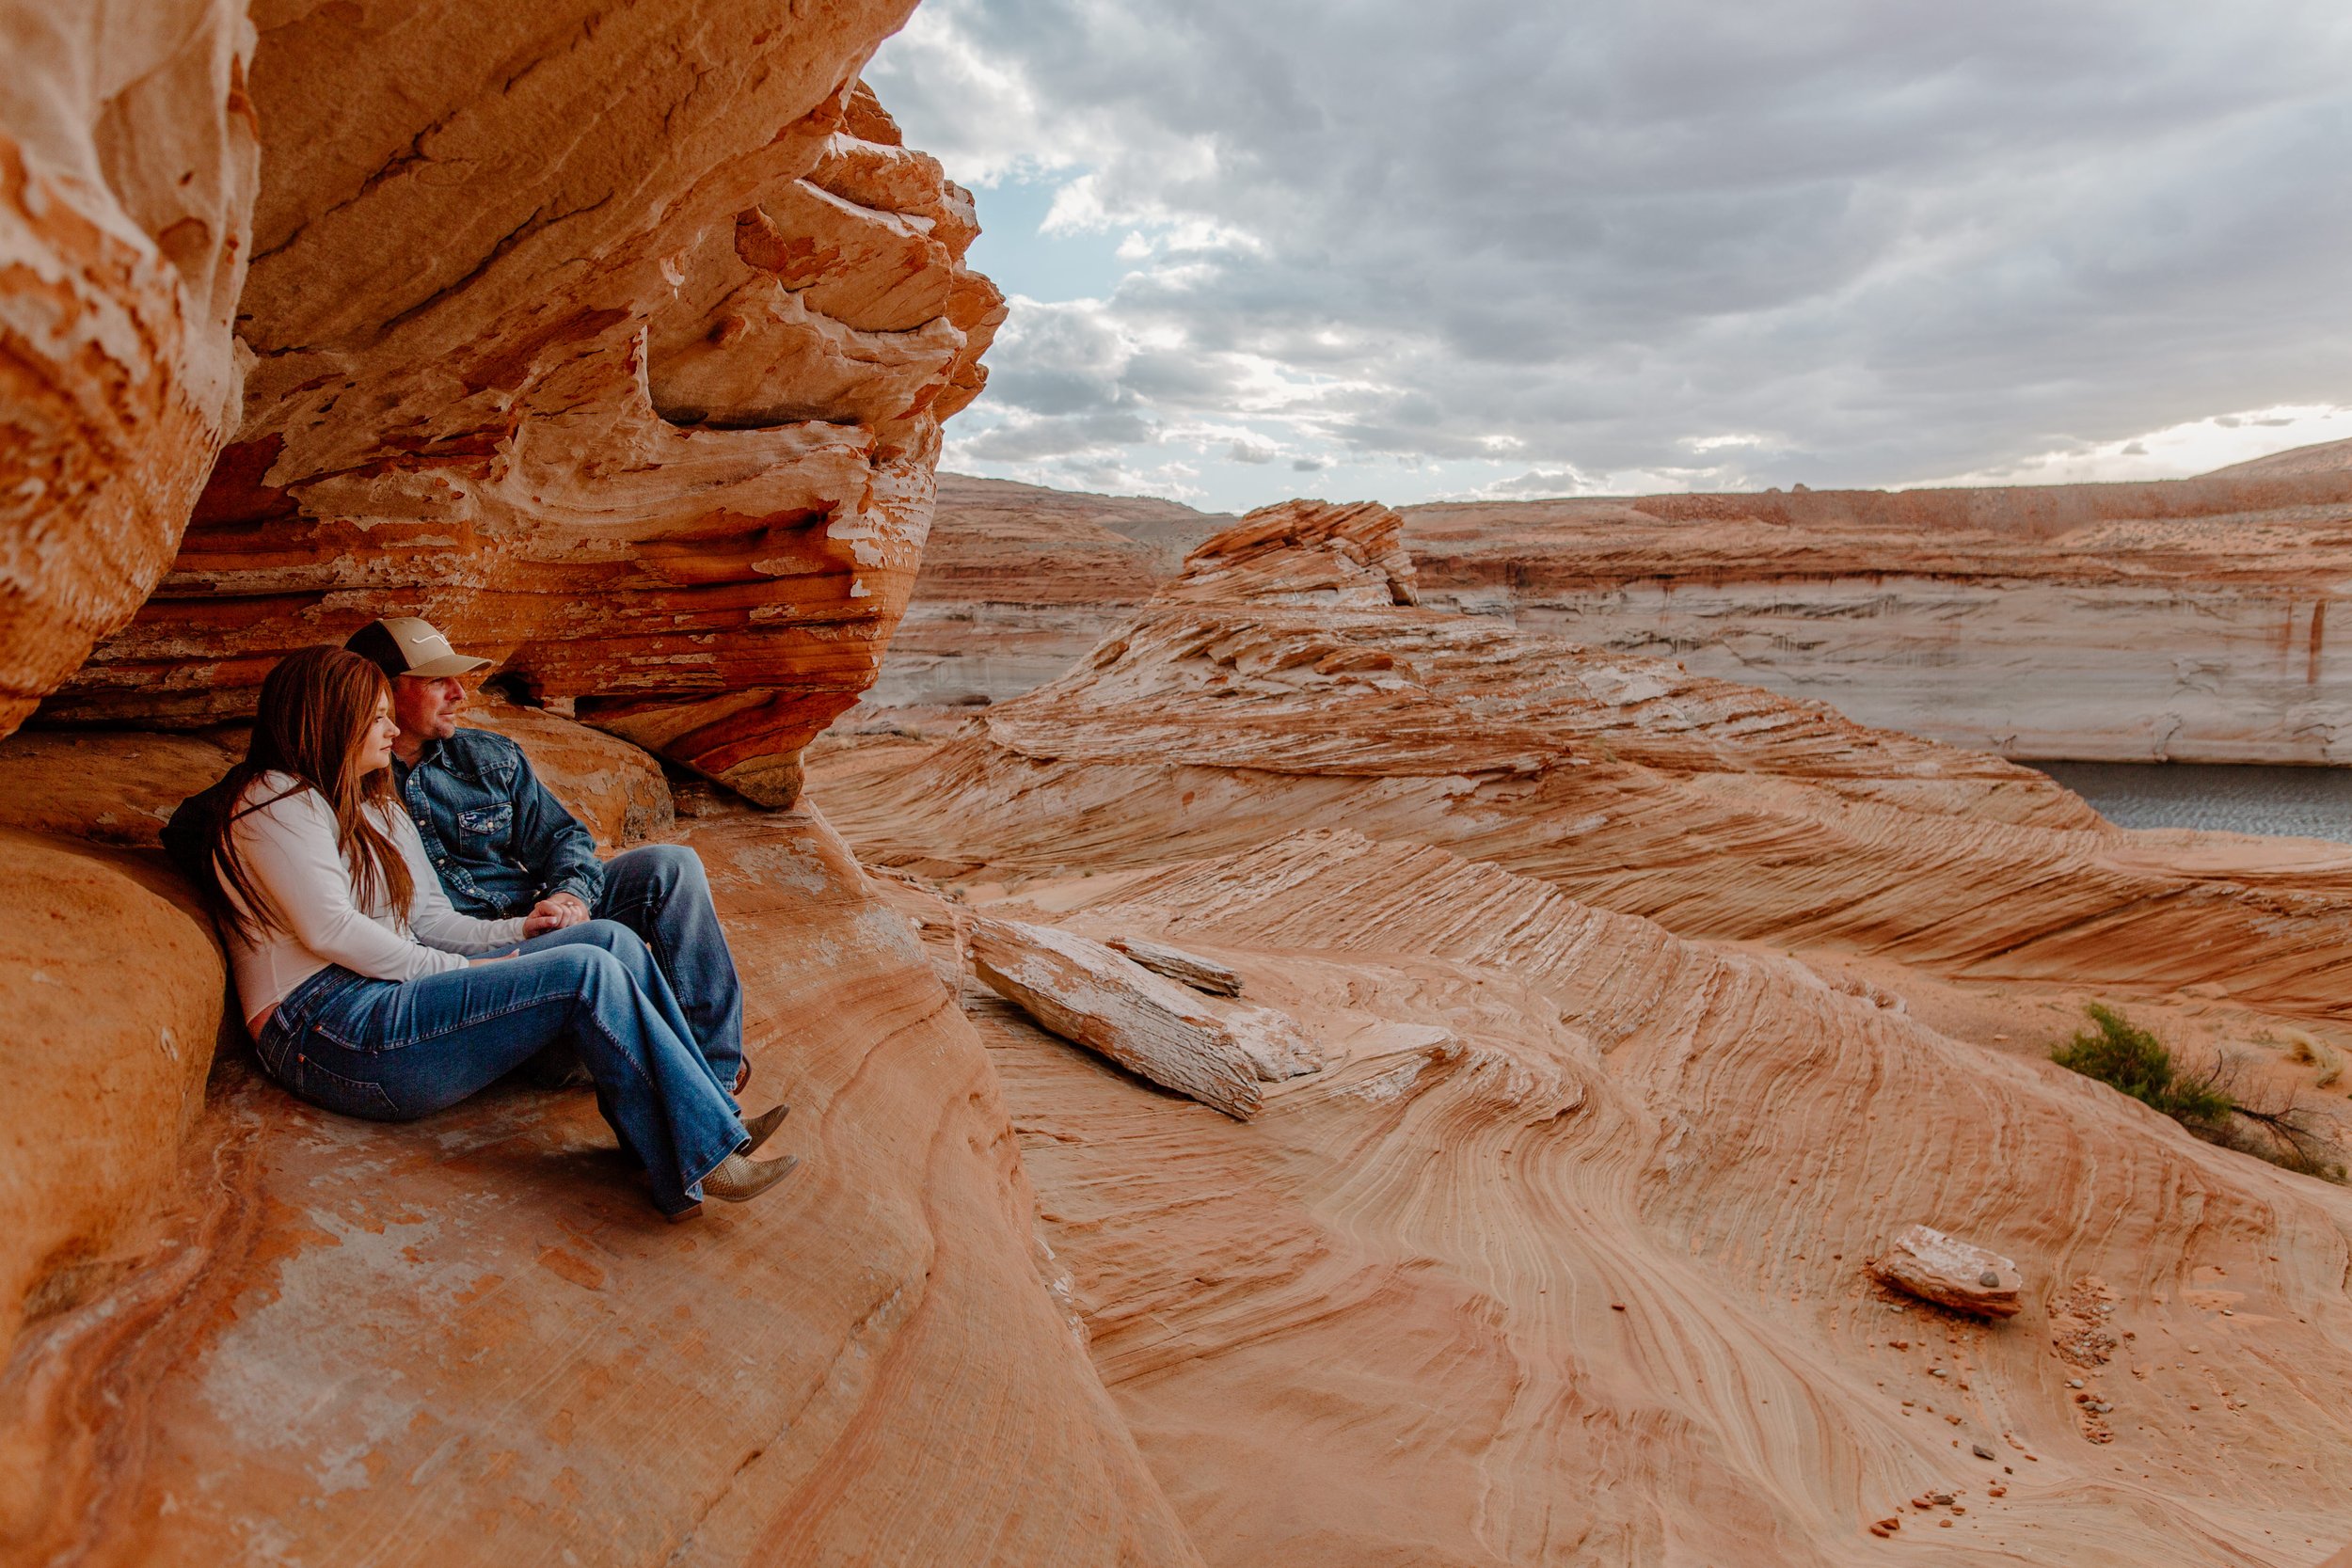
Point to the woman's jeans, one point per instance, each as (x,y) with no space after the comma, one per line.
(394,1051)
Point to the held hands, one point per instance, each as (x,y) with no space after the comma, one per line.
(553,913)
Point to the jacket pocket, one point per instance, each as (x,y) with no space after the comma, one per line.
(486,823)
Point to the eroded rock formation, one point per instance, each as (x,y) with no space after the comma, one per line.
(127,159)
(1653,1005)
(617,342)
(2189,620)
(475,1338)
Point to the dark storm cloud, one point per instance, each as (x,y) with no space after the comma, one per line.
(1880,241)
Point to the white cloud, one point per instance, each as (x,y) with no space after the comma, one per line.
(1439,250)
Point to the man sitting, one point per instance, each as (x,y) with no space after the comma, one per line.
(505,847)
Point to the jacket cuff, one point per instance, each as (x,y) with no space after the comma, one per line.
(581,887)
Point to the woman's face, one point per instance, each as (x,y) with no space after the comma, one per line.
(375,741)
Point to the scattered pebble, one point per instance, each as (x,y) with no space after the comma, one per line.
(1616,1307)
(1982,1451)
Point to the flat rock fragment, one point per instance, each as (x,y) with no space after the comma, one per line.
(1079,989)
(1191,969)
(1952,1273)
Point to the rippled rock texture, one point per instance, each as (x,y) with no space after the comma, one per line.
(127,167)
(1652,1008)
(472,1339)
(617,342)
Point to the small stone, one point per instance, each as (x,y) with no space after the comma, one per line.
(1981,1451)
(1937,1371)
(2074,1383)
(1944,1524)
(1997,1490)
(1616,1307)
(1881,1531)
(1989,1279)
(1893,1521)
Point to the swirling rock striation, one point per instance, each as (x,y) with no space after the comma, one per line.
(617,342)
(1652,1006)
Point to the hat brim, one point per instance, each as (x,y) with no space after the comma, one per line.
(455,664)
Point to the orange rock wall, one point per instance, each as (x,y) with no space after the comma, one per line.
(614,341)
(127,164)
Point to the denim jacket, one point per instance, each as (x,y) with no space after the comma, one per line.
(501,841)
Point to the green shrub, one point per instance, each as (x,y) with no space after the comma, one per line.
(2118,1053)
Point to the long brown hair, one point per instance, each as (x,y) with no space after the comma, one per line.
(316,708)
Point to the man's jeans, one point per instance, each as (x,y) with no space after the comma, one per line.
(660,893)
(396,1050)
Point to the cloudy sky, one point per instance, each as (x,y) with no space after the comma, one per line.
(1392,249)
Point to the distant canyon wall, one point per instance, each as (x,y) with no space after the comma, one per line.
(2188,620)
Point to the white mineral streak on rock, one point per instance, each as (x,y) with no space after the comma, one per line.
(1952,1273)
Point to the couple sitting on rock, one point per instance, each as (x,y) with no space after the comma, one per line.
(391,961)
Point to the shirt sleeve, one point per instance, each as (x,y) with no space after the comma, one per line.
(431,916)
(565,852)
(289,847)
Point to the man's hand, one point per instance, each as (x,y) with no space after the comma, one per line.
(554,912)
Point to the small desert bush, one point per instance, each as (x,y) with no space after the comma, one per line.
(2125,1056)
(2122,1054)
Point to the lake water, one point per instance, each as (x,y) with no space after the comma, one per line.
(2302,803)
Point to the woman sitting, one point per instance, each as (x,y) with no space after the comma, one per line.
(350,968)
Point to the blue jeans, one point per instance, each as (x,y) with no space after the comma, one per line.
(397,1051)
(660,893)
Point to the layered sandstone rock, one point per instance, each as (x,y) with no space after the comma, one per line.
(2131,623)
(127,160)
(617,343)
(1652,1006)
(474,1337)
(2185,620)
(1018,581)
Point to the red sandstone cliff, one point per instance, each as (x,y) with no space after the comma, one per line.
(617,342)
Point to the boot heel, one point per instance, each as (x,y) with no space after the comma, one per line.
(689,1212)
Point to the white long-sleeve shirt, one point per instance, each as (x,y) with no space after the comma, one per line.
(289,847)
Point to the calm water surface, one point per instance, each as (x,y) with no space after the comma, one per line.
(2302,803)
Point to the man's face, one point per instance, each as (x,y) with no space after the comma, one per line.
(427,706)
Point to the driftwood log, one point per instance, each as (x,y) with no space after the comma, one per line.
(1952,1273)
(1215,1051)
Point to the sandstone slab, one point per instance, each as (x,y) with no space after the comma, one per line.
(1086,994)
(1191,969)
(1952,1272)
